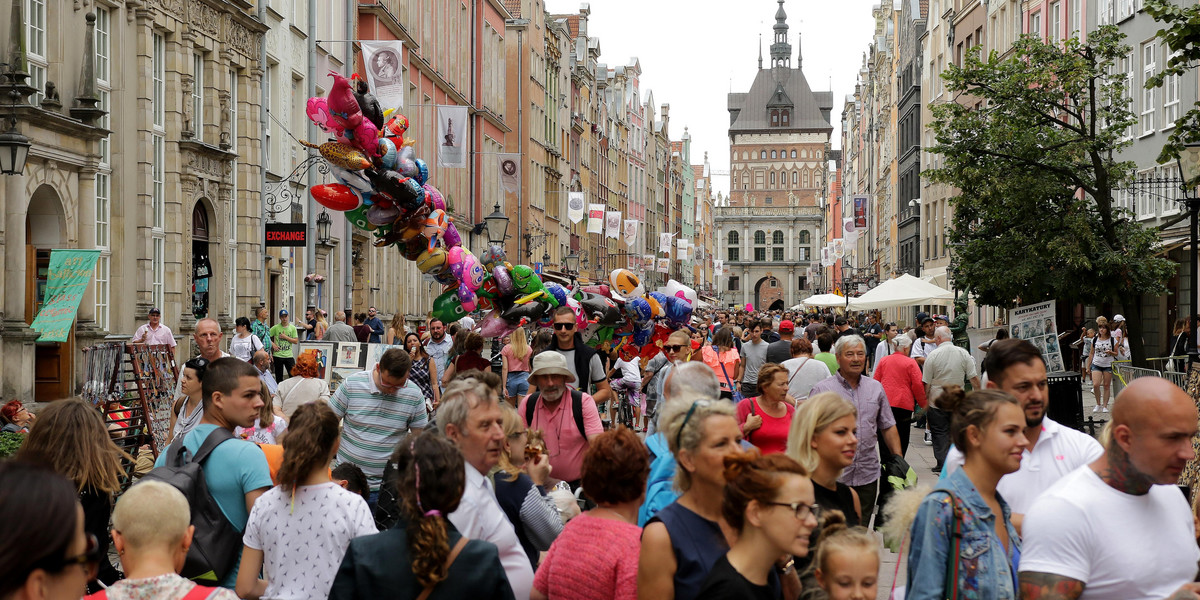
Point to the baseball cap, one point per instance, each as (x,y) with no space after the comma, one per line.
(283,311)
(155,311)
(1118,318)
(786,325)
(922,317)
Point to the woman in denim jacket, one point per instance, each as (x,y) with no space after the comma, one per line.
(988,425)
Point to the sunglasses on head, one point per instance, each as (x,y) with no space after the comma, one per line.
(562,326)
(198,365)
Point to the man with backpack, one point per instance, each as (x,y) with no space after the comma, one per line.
(567,417)
(220,475)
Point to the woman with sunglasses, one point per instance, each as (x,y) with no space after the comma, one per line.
(188,408)
(683,541)
(71,438)
(769,501)
(423,371)
(152,533)
(45,552)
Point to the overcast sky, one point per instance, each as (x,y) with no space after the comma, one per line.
(693,52)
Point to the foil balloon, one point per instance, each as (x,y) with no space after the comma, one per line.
(678,311)
(343,108)
(494,255)
(341,155)
(447,308)
(557,292)
(447,279)
(387,153)
(531,311)
(641,334)
(366,138)
(431,260)
(625,284)
(455,257)
(414,248)
(355,179)
(525,281)
(335,196)
(407,153)
(599,290)
(435,226)
(683,292)
(422,171)
(372,112)
(467,298)
(318,112)
(639,310)
(581,320)
(378,215)
(403,190)
(395,127)
(659,303)
(358,217)
(435,196)
(451,238)
(494,325)
(406,167)
(504,283)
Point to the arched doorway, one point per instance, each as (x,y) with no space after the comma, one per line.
(201,263)
(768,293)
(45,230)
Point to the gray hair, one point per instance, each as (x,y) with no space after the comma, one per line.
(457,401)
(903,341)
(685,430)
(943,333)
(846,341)
(689,381)
(339,315)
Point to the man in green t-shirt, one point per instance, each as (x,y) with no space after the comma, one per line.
(283,335)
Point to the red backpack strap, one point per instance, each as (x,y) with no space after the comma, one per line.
(200,592)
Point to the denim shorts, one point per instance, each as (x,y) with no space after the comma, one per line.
(1102,369)
(518,383)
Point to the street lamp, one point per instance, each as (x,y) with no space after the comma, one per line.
(571,261)
(497,226)
(323,223)
(14,147)
(1188,161)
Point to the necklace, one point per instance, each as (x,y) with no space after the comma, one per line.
(616,514)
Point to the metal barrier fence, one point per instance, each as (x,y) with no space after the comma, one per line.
(1124,372)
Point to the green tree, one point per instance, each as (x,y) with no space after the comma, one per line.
(1030,142)
(1182,35)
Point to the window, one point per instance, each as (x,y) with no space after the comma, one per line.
(806,179)
(733,238)
(760,237)
(1170,90)
(1055,22)
(795,175)
(793,154)
(734,284)
(35,47)
(159,76)
(198,96)
(773,154)
(733,254)
(762,155)
(777,237)
(760,255)
(158,192)
(772,177)
(777,254)
(103,217)
(1148,104)
(1076,17)
(1035,23)
(1126,66)
(232,209)
(267,80)
(785,116)
(158,265)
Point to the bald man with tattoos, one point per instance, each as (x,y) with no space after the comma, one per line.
(1119,528)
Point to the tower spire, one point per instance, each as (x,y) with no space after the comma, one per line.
(760,51)
(781,50)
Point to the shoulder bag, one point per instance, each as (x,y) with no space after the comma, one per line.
(454,552)
(737,393)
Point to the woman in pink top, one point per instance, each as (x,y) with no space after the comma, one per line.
(515,355)
(901,379)
(720,354)
(765,420)
(596,555)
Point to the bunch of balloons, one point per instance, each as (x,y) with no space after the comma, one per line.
(385,189)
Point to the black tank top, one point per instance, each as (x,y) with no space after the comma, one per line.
(837,499)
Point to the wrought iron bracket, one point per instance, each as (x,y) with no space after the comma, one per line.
(279,196)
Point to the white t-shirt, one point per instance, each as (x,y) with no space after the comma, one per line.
(630,371)
(1122,547)
(303,537)
(811,371)
(1102,349)
(244,348)
(1059,451)
(260,434)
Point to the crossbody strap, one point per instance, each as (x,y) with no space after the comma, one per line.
(798,367)
(728,382)
(950,591)
(454,552)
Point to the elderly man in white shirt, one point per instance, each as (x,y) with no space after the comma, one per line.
(1017,367)
(946,365)
(469,415)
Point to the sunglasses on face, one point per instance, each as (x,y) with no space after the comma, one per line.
(564,326)
(89,559)
(673,347)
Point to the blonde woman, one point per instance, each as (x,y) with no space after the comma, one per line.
(823,439)
(322,326)
(520,489)
(514,375)
(395,329)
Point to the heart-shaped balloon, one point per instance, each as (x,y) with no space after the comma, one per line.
(336,196)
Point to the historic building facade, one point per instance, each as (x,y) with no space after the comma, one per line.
(779,136)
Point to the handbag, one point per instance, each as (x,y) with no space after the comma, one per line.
(449,561)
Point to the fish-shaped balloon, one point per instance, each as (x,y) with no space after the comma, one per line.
(341,155)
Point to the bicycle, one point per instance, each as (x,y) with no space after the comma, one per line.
(624,408)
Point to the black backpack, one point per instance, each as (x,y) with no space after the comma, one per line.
(216,545)
(576,409)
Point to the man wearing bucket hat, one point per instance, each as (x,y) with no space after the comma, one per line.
(567,417)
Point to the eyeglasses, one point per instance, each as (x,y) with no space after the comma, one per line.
(800,510)
(89,559)
(673,347)
(564,326)
(686,418)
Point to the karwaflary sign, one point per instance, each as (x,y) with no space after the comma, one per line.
(287,234)
(68,278)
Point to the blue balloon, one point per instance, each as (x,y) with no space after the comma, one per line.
(678,310)
(422,171)
(558,292)
(388,153)
(639,309)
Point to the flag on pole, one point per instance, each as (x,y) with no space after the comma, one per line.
(510,172)
(630,232)
(612,224)
(664,242)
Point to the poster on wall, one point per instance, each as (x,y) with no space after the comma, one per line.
(860,212)
(1036,323)
(384,73)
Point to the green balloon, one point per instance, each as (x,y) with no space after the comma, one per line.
(447,308)
(358,217)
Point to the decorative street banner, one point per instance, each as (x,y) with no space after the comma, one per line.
(510,172)
(452,136)
(647,262)
(826,256)
(630,232)
(664,242)
(849,231)
(612,224)
(839,248)
(860,212)
(681,249)
(1036,323)
(575,206)
(718,267)
(595,218)
(664,265)
(383,60)
(68,278)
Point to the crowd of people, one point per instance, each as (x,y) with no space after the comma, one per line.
(755,468)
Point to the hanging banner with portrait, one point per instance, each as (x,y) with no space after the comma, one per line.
(384,72)
(575,201)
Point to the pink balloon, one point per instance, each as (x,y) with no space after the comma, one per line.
(343,108)
(318,112)
(366,138)
(451,238)
(749,306)
(435,196)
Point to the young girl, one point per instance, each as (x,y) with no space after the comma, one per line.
(631,381)
(1105,349)
(269,425)
(298,528)
(847,560)
(965,515)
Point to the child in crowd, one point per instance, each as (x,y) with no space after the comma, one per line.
(847,560)
(629,365)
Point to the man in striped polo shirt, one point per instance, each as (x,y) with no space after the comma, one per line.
(378,408)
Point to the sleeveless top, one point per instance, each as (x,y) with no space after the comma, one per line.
(697,542)
(837,499)
(419,374)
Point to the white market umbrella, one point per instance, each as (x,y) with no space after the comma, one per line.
(904,290)
(826,301)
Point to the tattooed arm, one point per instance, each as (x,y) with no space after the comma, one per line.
(1048,586)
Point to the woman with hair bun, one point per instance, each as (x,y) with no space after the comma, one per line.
(769,501)
(596,555)
(964,515)
(427,553)
(847,560)
(297,526)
